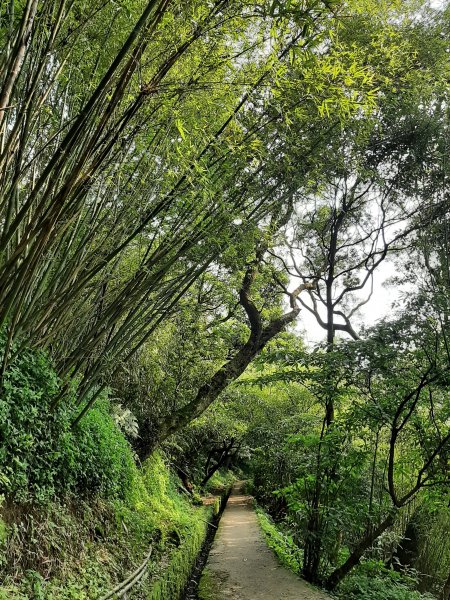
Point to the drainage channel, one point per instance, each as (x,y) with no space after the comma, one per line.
(190,591)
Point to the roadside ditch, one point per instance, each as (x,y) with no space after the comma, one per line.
(190,591)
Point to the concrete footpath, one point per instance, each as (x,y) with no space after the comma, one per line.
(241,566)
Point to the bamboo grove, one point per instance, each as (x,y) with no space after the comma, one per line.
(180,183)
(110,209)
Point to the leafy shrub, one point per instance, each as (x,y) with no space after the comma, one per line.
(41,457)
(100,459)
(32,434)
(373,581)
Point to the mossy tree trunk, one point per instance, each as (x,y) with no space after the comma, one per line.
(260,335)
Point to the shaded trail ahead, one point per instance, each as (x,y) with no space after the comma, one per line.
(241,566)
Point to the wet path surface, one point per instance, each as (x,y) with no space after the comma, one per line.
(241,566)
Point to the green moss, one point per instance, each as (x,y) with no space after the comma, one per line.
(174,578)
(172,581)
(209,587)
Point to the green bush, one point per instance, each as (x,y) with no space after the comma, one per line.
(373,581)
(100,461)
(41,457)
(32,434)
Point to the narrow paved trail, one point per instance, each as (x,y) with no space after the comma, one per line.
(241,566)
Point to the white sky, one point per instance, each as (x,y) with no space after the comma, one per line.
(379,306)
(383,297)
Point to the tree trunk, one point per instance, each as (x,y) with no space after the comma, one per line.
(259,337)
(229,372)
(312,551)
(408,548)
(367,542)
(204,398)
(445,594)
(184,479)
(223,458)
(146,443)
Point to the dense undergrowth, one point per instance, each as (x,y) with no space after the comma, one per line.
(77,513)
(42,457)
(79,552)
(370,581)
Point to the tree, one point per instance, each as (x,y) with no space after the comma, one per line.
(261,332)
(119,190)
(403,402)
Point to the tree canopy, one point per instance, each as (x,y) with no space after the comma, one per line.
(180,183)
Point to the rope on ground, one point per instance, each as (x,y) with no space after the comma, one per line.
(122,588)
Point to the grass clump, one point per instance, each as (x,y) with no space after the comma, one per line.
(286,550)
